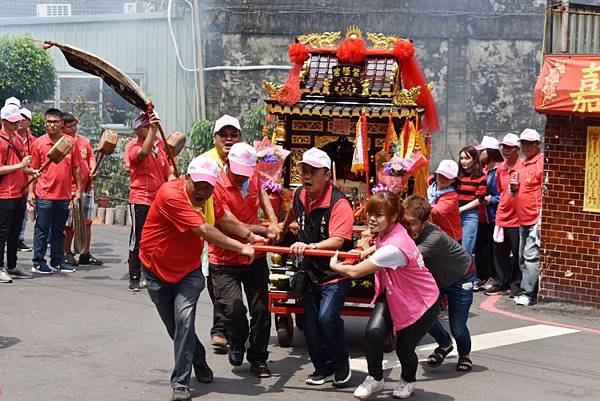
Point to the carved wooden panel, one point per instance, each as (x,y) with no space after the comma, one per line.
(307,125)
(301,140)
(376,128)
(296,156)
(379,142)
(322,140)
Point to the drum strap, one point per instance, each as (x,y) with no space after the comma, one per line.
(11,146)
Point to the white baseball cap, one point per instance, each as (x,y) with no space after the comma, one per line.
(529,134)
(242,159)
(488,142)
(510,140)
(13,100)
(10,112)
(25,113)
(226,120)
(448,168)
(203,168)
(317,158)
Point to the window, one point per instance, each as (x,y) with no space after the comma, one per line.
(53,10)
(87,94)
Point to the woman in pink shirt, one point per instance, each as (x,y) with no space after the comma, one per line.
(405,294)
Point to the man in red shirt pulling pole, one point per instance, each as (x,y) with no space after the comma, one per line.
(170,252)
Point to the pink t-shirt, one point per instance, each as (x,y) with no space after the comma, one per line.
(410,288)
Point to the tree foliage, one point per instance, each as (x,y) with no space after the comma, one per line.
(26,70)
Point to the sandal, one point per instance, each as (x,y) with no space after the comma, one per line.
(464,364)
(439,354)
(88,259)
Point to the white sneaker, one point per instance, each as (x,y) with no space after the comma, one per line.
(4,276)
(368,387)
(523,299)
(404,389)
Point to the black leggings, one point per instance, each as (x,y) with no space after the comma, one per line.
(407,339)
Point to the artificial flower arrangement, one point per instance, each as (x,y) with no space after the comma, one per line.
(396,172)
(270,159)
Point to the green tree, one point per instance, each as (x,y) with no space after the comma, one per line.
(26,69)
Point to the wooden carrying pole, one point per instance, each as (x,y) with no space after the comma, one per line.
(308,252)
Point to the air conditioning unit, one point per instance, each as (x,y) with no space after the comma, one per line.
(53,10)
(130,8)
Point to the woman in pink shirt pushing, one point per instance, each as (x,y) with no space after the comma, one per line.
(405,294)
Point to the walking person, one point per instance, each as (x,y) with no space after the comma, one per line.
(50,194)
(149,169)
(324,218)
(170,250)
(14,166)
(405,294)
(506,230)
(454,272)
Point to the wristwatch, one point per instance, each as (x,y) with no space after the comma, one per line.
(312,245)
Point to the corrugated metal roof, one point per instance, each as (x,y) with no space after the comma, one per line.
(582,28)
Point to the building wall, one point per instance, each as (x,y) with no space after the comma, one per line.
(570,252)
(483,56)
(136,44)
(28,8)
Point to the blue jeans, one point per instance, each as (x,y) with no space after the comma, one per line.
(324,326)
(176,305)
(460,298)
(22,233)
(469,221)
(50,213)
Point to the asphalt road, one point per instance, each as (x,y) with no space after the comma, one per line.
(83,336)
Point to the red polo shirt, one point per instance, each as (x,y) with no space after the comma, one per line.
(506,214)
(169,248)
(86,155)
(146,175)
(341,220)
(228,197)
(12,185)
(529,195)
(28,141)
(55,181)
(445,214)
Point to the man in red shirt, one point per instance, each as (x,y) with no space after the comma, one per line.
(87,163)
(50,194)
(325,219)
(28,139)
(13,178)
(238,192)
(528,203)
(149,169)
(170,251)
(506,232)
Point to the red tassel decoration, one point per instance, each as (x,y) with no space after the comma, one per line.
(403,50)
(298,53)
(352,51)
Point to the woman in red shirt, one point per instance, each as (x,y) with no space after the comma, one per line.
(443,199)
(472,190)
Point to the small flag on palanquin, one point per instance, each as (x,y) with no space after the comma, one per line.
(360,159)
(390,137)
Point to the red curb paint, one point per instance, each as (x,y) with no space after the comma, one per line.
(490,306)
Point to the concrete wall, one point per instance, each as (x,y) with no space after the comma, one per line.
(482,55)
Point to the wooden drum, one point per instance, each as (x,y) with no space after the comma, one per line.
(108,142)
(176,142)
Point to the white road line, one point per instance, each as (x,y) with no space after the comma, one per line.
(481,342)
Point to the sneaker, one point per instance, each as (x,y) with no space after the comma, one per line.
(181,394)
(204,373)
(134,286)
(19,272)
(236,354)
(319,378)
(489,284)
(404,390)
(70,259)
(524,300)
(88,259)
(4,276)
(260,369)
(21,246)
(495,290)
(342,374)
(64,268)
(368,388)
(219,343)
(42,268)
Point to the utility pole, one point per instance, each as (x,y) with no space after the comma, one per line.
(199,62)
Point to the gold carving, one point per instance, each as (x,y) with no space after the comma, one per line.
(270,89)
(379,142)
(300,139)
(377,128)
(353,32)
(305,69)
(365,88)
(280,131)
(326,83)
(407,97)
(322,40)
(307,125)
(296,156)
(381,41)
(394,74)
(322,140)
